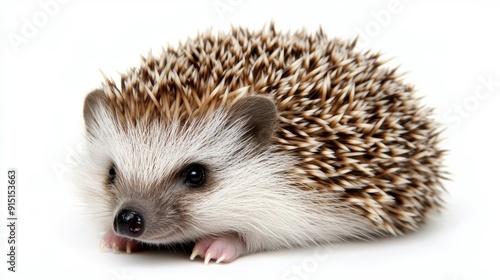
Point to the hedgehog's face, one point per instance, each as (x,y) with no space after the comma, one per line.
(175,182)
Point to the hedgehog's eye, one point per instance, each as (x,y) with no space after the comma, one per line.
(112,175)
(194,175)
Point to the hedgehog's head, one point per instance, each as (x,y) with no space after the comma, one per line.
(172,181)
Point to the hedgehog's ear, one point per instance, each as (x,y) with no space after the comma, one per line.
(260,115)
(94,102)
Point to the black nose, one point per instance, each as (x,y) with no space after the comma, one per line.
(129,223)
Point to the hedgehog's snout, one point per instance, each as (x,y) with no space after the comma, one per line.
(129,223)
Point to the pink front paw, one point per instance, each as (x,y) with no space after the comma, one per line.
(115,242)
(225,248)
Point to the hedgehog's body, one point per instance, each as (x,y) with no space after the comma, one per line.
(252,141)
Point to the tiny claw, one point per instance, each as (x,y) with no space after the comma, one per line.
(193,254)
(222,258)
(115,248)
(102,246)
(207,258)
(129,247)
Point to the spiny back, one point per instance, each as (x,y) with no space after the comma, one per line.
(354,126)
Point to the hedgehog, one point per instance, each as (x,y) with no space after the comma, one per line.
(252,141)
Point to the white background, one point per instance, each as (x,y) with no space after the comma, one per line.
(449,50)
